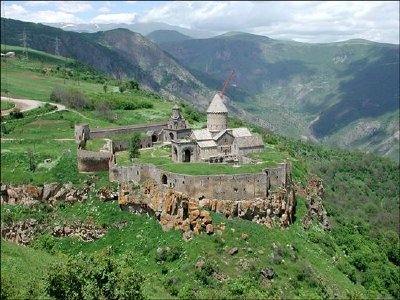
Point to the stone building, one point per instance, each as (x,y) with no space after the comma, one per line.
(177,127)
(216,143)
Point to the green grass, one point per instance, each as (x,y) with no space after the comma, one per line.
(6,105)
(23,270)
(15,166)
(24,78)
(95,144)
(161,156)
(143,236)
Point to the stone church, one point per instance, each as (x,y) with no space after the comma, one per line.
(214,144)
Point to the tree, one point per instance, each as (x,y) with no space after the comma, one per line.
(95,276)
(31,160)
(134,146)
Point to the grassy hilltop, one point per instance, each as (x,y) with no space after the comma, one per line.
(358,258)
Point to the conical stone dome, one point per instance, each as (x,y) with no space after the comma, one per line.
(217,105)
(217,114)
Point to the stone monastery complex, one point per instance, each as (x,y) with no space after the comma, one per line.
(265,197)
(216,143)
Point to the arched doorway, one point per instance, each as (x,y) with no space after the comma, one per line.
(164,179)
(186,155)
(175,156)
(171,136)
(154,138)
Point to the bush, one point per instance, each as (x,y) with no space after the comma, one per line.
(70,97)
(96,276)
(134,146)
(205,273)
(16,114)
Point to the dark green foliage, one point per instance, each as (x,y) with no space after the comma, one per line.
(204,273)
(70,97)
(134,146)
(127,101)
(16,114)
(167,254)
(97,276)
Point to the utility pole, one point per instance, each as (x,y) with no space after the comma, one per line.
(25,44)
(57,49)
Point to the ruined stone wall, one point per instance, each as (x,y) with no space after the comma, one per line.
(244,151)
(89,161)
(109,132)
(79,129)
(234,187)
(278,175)
(123,144)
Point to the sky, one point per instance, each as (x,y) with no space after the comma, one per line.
(303,21)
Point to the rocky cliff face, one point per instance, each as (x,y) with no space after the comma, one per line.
(315,208)
(175,210)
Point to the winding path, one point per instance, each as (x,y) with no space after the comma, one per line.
(29,104)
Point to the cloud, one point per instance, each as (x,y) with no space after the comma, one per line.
(308,21)
(18,12)
(73,6)
(104,9)
(114,18)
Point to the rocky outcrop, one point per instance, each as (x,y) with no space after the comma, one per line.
(19,232)
(176,210)
(315,208)
(85,232)
(23,232)
(29,195)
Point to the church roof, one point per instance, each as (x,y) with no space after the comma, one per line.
(202,134)
(217,105)
(240,132)
(207,144)
(221,133)
(249,141)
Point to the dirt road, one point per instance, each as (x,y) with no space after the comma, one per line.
(28,104)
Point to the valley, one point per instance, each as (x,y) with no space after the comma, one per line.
(64,235)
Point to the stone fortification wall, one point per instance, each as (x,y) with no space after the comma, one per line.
(80,130)
(123,144)
(176,210)
(234,187)
(108,132)
(89,161)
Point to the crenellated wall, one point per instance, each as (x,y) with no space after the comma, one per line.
(235,187)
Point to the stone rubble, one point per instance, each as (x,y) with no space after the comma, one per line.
(23,232)
(30,195)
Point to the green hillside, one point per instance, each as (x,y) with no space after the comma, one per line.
(120,53)
(357,259)
(165,36)
(318,89)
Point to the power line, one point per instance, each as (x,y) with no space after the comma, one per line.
(57,49)
(25,44)
(3,35)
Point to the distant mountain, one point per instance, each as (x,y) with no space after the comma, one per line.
(305,90)
(142,28)
(118,52)
(167,36)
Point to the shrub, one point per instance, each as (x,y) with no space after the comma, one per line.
(16,114)
(96,276)
(70,97)
(134,146)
